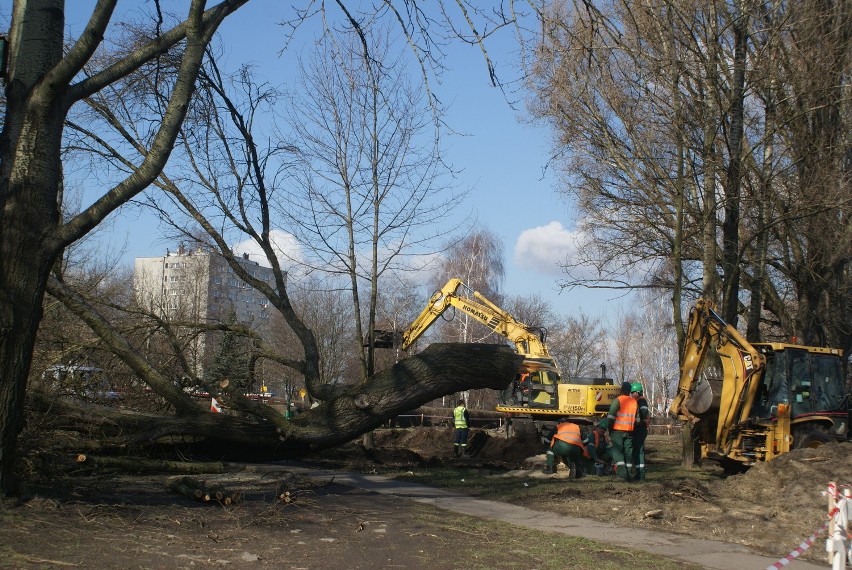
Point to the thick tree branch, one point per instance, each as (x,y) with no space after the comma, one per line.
(211,20)
(440,370)
(121,348)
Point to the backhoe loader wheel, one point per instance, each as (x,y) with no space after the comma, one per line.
(812,435)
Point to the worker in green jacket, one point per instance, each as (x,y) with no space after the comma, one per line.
(640,432)
(621,421)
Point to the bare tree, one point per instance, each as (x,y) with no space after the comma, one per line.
(328,312)
(686,199)
(659,350)
(627,348)
(579,345)
(370,188)
(43,83)
(400,301)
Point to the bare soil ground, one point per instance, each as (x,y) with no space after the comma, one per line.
(772,507)
(108,518)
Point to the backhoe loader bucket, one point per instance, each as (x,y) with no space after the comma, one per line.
(385,339)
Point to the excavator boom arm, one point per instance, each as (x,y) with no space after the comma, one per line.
(741,364)
(479,308)
(438,303)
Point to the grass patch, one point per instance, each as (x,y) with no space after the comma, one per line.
(489,545)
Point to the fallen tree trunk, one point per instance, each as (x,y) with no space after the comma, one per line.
(440,370)
(141,465)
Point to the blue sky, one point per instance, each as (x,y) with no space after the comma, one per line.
(502,160)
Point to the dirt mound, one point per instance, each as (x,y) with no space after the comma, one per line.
(433,443)
(792,484)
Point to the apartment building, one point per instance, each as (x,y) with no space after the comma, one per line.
(200,286)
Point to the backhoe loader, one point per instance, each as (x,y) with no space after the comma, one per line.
(539,392)
(767,399)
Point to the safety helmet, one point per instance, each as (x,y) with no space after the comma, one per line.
(636,387)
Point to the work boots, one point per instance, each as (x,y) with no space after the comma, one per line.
(549,469)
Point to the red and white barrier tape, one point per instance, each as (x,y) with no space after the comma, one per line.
(833,489)
(796,552)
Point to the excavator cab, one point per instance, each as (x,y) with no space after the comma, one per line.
(542,389)
(807,379)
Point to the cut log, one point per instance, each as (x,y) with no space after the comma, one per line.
(143,465)
(187,487)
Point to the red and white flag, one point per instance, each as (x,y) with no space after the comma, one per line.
(215,407)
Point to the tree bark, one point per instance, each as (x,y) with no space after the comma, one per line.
(39,93)
(731,224)
(440,370)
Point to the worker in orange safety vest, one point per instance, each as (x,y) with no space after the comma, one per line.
(621,421)
(566,442)
(597,444)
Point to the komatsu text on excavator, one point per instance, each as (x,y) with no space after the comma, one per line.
(539,392)
(767,399)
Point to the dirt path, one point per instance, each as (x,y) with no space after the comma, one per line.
(103,519)
(138,522)
(772,508)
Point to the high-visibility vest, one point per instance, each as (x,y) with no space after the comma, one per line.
(458,416)
(569,433)
(625,418)
(597,439)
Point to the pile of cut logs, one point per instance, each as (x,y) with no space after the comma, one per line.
(200,490)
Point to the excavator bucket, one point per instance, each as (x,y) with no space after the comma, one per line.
(385,339)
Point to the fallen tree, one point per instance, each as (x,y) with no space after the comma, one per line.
(440,370)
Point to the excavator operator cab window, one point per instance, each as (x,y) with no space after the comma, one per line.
(800,381)
(774,387)
(809,382)
(827,383)
(543,389)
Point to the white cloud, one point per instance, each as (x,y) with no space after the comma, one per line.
(544,248)
(286,247)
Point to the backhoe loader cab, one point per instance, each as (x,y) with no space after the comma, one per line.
(769,398)
(808,380)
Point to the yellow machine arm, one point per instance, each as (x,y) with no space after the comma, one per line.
(481,309)
(742,366)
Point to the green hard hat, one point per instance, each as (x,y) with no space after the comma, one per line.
(636,387)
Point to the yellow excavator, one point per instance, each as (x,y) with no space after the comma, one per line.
(763,399)
(539,392)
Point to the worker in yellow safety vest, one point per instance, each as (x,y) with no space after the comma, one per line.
(461,421)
